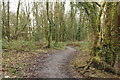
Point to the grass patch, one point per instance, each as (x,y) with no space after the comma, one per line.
(41,51)
(20,45)
(80,45)
(58,45)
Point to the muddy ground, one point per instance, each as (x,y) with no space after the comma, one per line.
(63,64)
(53,65)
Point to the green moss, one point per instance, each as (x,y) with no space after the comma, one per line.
(19,45)
(96,58)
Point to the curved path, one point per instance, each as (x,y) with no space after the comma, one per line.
(55,65)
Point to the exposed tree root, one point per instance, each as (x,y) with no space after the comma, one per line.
(101,66)
(87,67)
(106,67)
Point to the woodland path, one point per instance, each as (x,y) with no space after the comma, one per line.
(55,65)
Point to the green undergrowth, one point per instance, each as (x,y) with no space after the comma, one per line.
(80,45)
(119,56)
(85,45)
(30,45)
(22,45)
(58,45)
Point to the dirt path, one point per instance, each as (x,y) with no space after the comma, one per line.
(54,65)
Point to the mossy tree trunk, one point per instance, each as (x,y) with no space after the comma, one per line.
(108,49)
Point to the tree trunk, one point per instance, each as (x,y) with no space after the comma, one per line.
(17,21)
(8,29)
(50,25)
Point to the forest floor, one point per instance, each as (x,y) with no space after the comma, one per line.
(54,65)
(66,62)
(81,60)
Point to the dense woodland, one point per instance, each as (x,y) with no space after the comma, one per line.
(95,22)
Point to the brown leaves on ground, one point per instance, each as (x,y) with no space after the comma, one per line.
(73,44)
(15,61)
(81,61)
